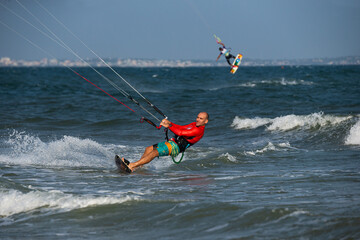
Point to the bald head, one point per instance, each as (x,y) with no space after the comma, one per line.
(202,119)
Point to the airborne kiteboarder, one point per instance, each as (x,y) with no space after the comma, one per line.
(226,52)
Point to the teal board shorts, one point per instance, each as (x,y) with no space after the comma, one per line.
(167,148)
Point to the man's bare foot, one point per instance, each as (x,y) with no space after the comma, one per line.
(130,165)
(127,163)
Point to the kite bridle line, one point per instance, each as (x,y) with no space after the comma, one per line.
(66,47)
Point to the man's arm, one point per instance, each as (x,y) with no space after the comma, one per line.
(180,130)
(218,56)
(166,123)
(188,130)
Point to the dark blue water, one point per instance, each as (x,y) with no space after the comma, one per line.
(280,158)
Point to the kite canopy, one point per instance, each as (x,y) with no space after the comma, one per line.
(217,39)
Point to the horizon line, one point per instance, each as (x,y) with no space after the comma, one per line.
(142,62)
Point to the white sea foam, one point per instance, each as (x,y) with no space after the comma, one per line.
(309,121)
(164,162)
(248,84)
(288,122)
(249,123)
(219,87)
(354,136)
(230,157)
(25,149)
(298,212)
(192,154)
(67,151)
(269,147)
(285,82)
(282,81)
(253,84)
(14,202)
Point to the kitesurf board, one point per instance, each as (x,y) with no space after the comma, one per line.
(236,63)
(121,165)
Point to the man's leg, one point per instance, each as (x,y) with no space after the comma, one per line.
(228,60)
(147,151)
(149,154)
(230,57)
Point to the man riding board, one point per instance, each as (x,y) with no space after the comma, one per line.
(186,136)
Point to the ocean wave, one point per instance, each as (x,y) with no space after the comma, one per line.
(252,84)
(286,82)
(249,123)
(148,90)
(229,157)
(273,214)
(354,135)
(282,82)
(192,155)
(248,84)
(25,149)
(269,147)
(289,122)
(15,202)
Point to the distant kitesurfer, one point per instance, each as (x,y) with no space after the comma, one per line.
(226,52)
(186,136)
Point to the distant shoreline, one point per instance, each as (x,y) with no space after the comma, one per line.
(144,63)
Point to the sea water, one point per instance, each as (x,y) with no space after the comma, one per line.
(280,158)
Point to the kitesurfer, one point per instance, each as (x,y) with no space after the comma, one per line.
(226,52)
(186,136)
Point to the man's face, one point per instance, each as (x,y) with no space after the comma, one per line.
(201,119)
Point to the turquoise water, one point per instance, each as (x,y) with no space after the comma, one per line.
(280,158)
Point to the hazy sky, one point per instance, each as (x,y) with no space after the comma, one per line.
(183,29)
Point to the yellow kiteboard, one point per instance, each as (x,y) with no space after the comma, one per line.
(236,63)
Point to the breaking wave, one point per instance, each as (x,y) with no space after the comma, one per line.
(270,147)
(289,122)
(15,202)
(25,149)
(354,136)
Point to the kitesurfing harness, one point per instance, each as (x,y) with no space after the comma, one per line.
(182,143)
(185,136)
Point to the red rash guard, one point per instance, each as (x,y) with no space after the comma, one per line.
(190,132)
